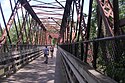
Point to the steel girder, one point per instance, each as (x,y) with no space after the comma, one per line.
(23,28)
(64,19)
(106,11)
(8,25)
(30,10)
(107,14)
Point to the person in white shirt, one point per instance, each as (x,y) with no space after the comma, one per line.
(46,53)
(51,51)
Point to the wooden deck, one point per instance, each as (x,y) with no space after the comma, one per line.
(38,72)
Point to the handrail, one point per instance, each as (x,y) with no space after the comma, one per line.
(80,72)
(10,62)
(97,40)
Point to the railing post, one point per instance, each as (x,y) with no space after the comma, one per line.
(76,49)
(71,48)
(86,52)
(82,51)
(95,52)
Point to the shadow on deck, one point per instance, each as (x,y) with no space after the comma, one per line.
(38,72)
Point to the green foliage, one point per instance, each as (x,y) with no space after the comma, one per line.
(54,41)
(13,35)
(116,71)
(0,34)
(93,30)
(13,32)
(122,9)
(111,68)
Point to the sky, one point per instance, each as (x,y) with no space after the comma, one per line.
(7,9)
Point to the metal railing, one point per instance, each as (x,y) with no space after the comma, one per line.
(16,58)
(79,72)
(105,55)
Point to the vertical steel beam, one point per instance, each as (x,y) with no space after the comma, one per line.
(89,20)
(37,35)
(88,29)
(30,32)
(99,34)
(24,22)
(116,17)
(77,4)
(76,31)
(14,20)
(41,37)
(102,6)
(20,34)
(45,37)
(28,27)
(64,19)
(95,51)
(82,50)
(81,16)
(67,33)
(72,23)
(99,24)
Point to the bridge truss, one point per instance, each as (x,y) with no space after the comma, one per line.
(31,21)
(96,38)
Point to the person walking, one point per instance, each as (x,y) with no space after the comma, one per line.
(46,53)
(51,51)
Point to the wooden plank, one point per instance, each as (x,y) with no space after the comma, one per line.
(75,71)
(81,69)
(69,75)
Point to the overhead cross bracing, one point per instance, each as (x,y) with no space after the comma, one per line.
(47,15)
(30,10)
(96,37)
(49,12)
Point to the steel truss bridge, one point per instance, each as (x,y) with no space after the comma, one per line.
(91,45)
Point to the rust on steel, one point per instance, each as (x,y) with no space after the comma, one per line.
(106,11)
(9,23)
(64,19)
(31,11)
